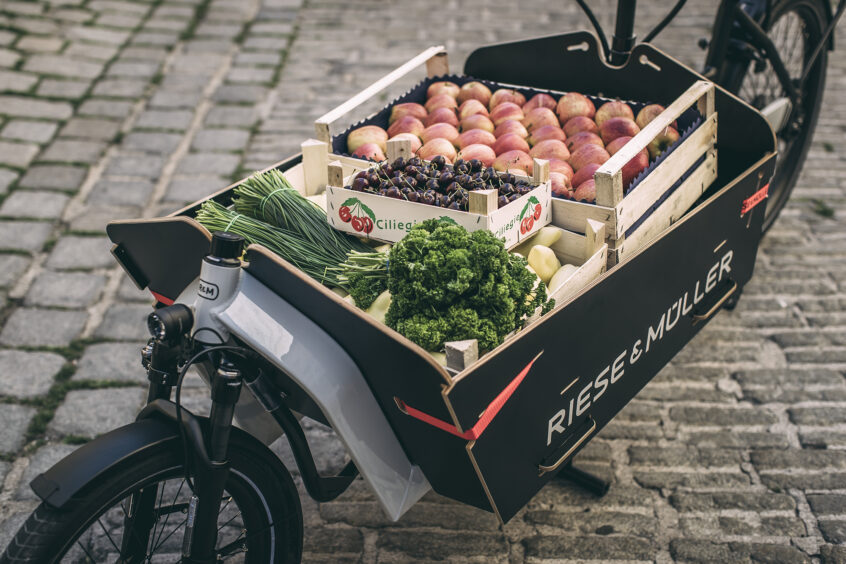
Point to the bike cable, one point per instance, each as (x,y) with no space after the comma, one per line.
(663,23)
(603,39)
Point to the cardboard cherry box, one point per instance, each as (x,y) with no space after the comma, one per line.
(389,219)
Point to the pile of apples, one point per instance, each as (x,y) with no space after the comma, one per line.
(505,131)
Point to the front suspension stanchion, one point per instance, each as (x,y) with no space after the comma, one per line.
(212,468)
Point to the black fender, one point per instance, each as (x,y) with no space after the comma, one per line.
(155,428)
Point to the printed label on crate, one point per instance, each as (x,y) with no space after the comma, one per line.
(389,219)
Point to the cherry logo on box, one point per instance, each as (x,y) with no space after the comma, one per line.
(358,215)
(530,214)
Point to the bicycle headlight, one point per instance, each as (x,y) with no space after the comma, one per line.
(170,323)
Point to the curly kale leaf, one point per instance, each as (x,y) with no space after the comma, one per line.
(448,284)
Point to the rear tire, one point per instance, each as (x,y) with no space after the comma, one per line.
(759,87)
(263,494)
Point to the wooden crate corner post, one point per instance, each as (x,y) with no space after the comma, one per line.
(594,237)
(315,160)
(398,148)
(483,202)
(335,174)
(437,65)
(540,170)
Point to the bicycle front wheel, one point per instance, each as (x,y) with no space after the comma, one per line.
(260,518)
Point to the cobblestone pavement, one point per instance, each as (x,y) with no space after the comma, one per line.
(736,452)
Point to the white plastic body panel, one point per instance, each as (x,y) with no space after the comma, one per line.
(312,359)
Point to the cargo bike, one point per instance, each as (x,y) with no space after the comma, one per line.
(275,346)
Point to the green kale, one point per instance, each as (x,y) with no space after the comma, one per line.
(448,284)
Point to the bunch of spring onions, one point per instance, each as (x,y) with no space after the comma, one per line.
(269,212)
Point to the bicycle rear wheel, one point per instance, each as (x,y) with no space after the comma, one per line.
(796,29)
(260,519)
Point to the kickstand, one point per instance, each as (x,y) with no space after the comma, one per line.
(585,480)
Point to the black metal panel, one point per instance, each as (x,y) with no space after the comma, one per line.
(608,325)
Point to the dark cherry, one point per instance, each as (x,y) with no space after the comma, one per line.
(439,161)
(359,184)
(399,163)
(452,187)
(502,201)
(373,179)
(446,177)
(454,206)
(432,184)
(475,165)
(393,192)
(415,161)
(413,196)
(421,178)
(428,198)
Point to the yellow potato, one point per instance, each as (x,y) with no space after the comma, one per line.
(544,262)
(560,277)
(545,236)
(380,306)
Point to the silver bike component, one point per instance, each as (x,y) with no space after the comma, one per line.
(212,292)
(777,112)
(311,358)
(189,526)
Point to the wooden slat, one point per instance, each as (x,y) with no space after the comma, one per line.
(315,160)
(570,248)
(323,124)
(604,177)
(589,271)
(671,210)
(672,168)
(571,215)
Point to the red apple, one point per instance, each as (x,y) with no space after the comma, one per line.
(406,124)
(585,173)
(557,165)
(510,142)
(648,113)
(587,154)
(442,87)
(476,137)
(539,117)
(407,109)
(617,127)
(478,151)
(518,160)
(471,107)
(612,109)
(518,171)
(662,141)
(510,126)
(546,132)
(442,115)
(574,104)
(370,151)
(635,165)
(540,100)
(550,149)
(506,111)
(475,90)
(506,95)
(442,130)
(583,138)
(440,101)
(579,124)
(415,141)
(437,147)
(477,121)
(617,144)
(366,134)
(586,192)
(559,183)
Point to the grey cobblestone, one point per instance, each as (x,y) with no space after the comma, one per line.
(43,459)
(56,177)
(112,362)
(17,81)
(91,128)
(59,65)
(23,235)
(89,413)
(27,107)
(160,143)
(17,155)
(69,89)
(73,151)
(65,289)
(6,178)
(75,253)
(28,374)
(28,130)
(42,327)
(14,420)
(130,192)
(34,204)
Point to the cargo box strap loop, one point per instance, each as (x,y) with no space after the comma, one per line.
(487,416)
(754,199)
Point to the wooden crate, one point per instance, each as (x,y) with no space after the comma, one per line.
(620,213)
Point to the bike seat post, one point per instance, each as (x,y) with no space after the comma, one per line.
(624,37)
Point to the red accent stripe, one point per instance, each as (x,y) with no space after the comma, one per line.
(754,199)
(161,298)
(490,412)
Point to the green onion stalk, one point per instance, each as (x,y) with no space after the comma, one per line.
(270,198)
(316,260)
